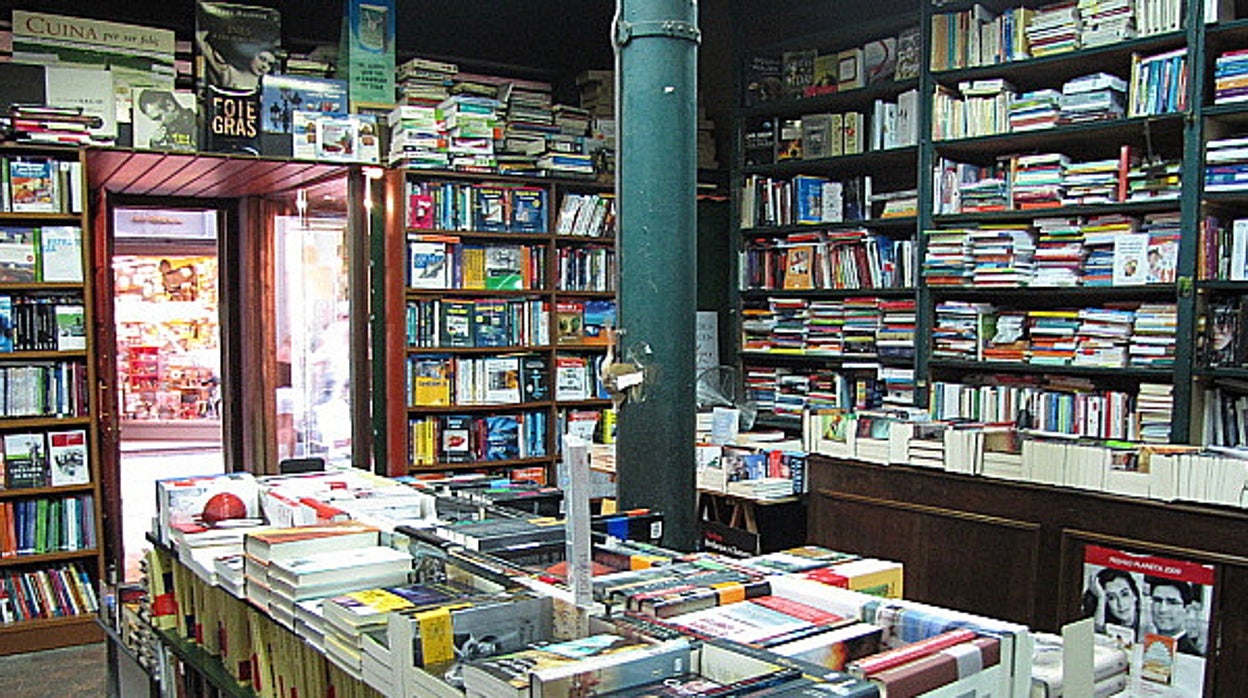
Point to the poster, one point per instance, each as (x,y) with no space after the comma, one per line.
(1158,609)
(367,60)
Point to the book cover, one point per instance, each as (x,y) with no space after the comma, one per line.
(6,323)
(502,437)
(236,45)
(615,671)
(431,381)
(534,379)
(71,327)
(879,59)
(528,210)
(457,445)
(835,648)
(502,379)
(60,253)
(25,461)
(491,326)
(849,72)
(759,146)
(763,80)
(428,265)
(504,267)
(1162,258)
(571,378)
(491,207)
(89,89)
(598,320)
(165,120)
(1130,260)
(283,95)
(289,543)
(457,323)
(789,140)
(32,185)
(799,70)
(323,568)
(909,56)
(19,253)
(509,674)
(817,136)
(67,451)
(337,138)
(569,322)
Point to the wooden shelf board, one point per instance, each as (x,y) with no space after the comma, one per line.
(508,408)
(45,559)
(479,350)
(895,222)
(22,493)
(210,175)
(476,465)
(49,633)
(483,235)
(42,422)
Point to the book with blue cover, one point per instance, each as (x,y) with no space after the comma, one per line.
(502,437)
(528,210)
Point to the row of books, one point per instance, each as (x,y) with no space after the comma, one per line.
(1104,251)
(804,199)
(810,72)
(589,268)
(53,592)
(810,137)
(1118,336)
(584,322)
(489,380)
(1158,471)
(1224,416)
(467,206)
(445,263)
(1223,251)
(990,106)
(1158,84)
(1060,405)
(586,215)
(455,439)
(49,254)
(42,323)
(33,184)
(863,327)
(831,259)
(477,322)
(44,389)
(45,459)
(1230,71)
(1050,180)
(979,37)
(47,525)
(754,472)
(786,391)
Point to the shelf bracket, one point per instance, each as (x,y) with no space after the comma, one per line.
(627,31)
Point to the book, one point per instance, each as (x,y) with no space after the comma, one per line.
(513,674)
(33,185)
(909,57)
(534,379)
(834,648)
(502,379)
(282,95)
(290,543)
(428,264)
(325,567)
(879,59)
(60,253)
(19,254)
(615,671)
(71,327)
(528,210)
(235,46)
(67,451)
(166,120)
(25,460)
(1130,259)
(569,322)
(504,268)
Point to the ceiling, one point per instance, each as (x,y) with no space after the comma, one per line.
(558,36)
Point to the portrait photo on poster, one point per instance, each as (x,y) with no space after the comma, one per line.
(238,44)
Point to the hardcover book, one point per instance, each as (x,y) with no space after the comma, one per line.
(457,322)
(502,437)
(71,327)
(457,443)
(165,120)
(428,264)
(799,71)
(25,461)
(67,451)
(534,379)
(763,80)
(33,185)
(528,210)
(19,251)
(60,253)
(283,95)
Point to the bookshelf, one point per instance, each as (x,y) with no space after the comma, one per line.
(476,355)
(51,557)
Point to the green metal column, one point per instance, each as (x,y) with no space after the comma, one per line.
(656,181)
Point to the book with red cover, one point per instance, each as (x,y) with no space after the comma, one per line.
(939,669)
(906,653)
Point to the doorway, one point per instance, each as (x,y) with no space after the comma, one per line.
(167,325)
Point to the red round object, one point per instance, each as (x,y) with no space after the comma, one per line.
(223,506)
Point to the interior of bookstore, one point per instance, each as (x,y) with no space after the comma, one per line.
(569,348)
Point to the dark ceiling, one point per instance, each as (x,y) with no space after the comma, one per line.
(559,37)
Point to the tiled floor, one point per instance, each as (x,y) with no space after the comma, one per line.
(71,672)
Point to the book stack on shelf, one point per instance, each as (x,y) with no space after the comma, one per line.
(1229,71)
(1226,164)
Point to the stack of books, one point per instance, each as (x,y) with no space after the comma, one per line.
(1092,182)
(422,81)
(862,322)
(1099,236)
(264,549)
(958,328)
(825,327)
(1003,255)
(1059,252)
(986,195)
(1155,406)
(1226,164)
(1154,180)
(528,120)
(1230,77)
(1036,110)
(1106,22)
(472,124)
(948,260)
(895,339)
(1162,256)
(1007,341)
(1038,180)
(898,385)
(1052,335)
(1103,337)
(39,123)
(987,107)
(1153,337)
(1055,28)
(416,141)
(1094,97)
